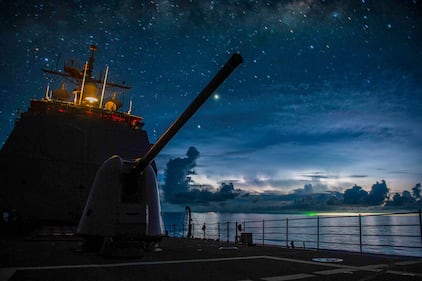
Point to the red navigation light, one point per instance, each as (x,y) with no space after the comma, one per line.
(135,121)
(118,118)
(61,110)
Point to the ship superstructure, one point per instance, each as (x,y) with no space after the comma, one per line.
(49,161)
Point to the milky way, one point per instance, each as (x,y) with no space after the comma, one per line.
(329,93)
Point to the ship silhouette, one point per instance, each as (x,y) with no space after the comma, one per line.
(49,161)
(57,147)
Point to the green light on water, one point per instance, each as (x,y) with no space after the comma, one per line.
(311,214)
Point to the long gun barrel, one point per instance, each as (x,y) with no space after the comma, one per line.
(218,79)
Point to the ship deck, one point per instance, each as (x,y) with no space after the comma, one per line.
(61,258)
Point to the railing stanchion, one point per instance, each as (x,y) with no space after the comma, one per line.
(228,231)
(420,222)
(318,233)
(263,232)
(360,233)
(218,229)
(287,232)
(235,236)
(174,230)
(183,230)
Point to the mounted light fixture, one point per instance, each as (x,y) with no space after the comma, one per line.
(90,92)
(61,94)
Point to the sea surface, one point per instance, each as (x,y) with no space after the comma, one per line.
(382,233)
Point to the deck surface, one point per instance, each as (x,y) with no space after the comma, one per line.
(183,259)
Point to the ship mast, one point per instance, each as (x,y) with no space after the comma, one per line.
(76,75)
(104,85)
(83,82)
(91,60)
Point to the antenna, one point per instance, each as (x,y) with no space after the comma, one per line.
(58,60)
(83,82)
(91,60)
(130,107)
(46,92)
(104,85)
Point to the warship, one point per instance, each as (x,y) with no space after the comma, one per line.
(66,143)
(49,160)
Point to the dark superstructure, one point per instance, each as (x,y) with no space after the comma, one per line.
(49,161)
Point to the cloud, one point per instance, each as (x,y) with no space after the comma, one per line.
(177,176)
(378,194)
(416,190)
(356,195)
(316,193)
(358,176)
(179,187)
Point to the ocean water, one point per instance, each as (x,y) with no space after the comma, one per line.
(381,233)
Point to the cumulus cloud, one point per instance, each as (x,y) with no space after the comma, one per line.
(416,190)
(179,187)
(378,195)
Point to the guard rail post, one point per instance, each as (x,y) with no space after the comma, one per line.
(360,233)
(420,223)
(228,231)
(287,232)
(183,230)
(263,232)
(318,233)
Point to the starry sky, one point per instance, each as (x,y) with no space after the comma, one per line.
(329,94)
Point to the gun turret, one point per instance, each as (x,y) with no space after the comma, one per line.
(124,202)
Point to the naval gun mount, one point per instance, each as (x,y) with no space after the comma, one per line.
(123,205)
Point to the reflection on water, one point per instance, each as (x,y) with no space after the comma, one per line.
(399,233)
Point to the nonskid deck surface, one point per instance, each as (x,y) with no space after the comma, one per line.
(182,259)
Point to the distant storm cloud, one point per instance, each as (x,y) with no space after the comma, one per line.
(356,195)
(179,187)
(182,186)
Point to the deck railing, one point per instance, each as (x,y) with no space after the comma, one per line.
(387,233)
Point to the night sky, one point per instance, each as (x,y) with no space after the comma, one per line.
(329,94)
